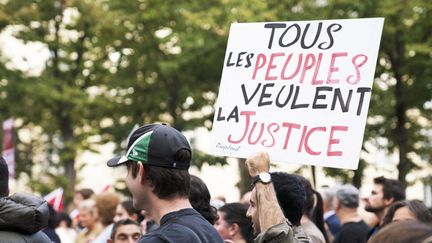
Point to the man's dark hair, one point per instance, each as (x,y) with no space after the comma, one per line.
(199,198)
(121,223)
(235,213)
(291,195)
(168,182)
(391,188)
(128,206)
(86,193)
(4,178)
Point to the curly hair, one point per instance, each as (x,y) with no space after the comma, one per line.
(199,197)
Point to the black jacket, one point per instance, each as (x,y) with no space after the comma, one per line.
(22,216)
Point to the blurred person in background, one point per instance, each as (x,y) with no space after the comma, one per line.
(79,196)
(384,193)
(64,229)
(89,219)
(106,204)
(233,225)
(313,214)
(125,210)
(331,221)
(404,232)
(345,203)
(407,210)
(52,225)
(125,231)
(199,197)
(22,216)
(148,224)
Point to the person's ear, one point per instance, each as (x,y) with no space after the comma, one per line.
(141,171)
(233,229)
(336,204)
(388,201)
(109,241)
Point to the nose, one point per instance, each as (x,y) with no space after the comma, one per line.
(248,213)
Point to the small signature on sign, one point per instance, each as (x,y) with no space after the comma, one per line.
(227,148)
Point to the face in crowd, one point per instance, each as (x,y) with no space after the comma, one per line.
(252,212)
(376,201)
(129,233)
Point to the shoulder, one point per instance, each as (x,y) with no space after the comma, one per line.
(15,237)
(283,232)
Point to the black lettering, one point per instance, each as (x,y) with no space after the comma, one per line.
(338,96)
(362,92)
(294,105)
(329,30)
(317,34)
(248,60)
(286,31)
(265,95)
(245,96)
(239,59)
(280,105)
(219,117)
(229,64)
(319,96)
(234,114)
(273,26)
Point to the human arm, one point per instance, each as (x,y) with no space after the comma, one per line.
(269,211)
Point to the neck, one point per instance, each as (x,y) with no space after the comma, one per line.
(347,215)
(239,240)
(304,219)
(161,207)
(380,215)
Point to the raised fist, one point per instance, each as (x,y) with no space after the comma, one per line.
(257,163)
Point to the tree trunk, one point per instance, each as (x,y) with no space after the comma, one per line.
(67,155)
(358,174)
(244,184)
(401,134)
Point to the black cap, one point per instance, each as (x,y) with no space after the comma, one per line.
(155,145)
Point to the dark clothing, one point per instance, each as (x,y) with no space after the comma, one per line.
(185,225)
(22,216)
(352,232)
(50,232)
(374,230)
(333,224)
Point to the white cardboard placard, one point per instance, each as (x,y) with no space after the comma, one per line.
(298,90)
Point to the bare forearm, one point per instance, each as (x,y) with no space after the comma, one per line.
(269,210)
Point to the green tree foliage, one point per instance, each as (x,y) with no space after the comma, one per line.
(117,63)
(59,106)
(400,111)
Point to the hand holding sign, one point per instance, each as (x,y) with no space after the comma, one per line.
(299,90)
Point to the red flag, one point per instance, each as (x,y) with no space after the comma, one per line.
(55,199)
(8,146)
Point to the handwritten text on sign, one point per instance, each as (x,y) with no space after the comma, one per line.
(299,90)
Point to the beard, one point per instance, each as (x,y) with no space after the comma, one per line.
(371,209)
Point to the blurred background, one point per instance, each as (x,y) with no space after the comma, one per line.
(77,75)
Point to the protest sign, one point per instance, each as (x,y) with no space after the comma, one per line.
(298,90)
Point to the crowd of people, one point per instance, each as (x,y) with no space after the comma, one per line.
(170,205)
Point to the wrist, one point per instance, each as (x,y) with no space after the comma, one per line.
(262,177)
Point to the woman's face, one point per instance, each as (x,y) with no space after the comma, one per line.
(87,218)
(403,213)
(222,227)
(121,213)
